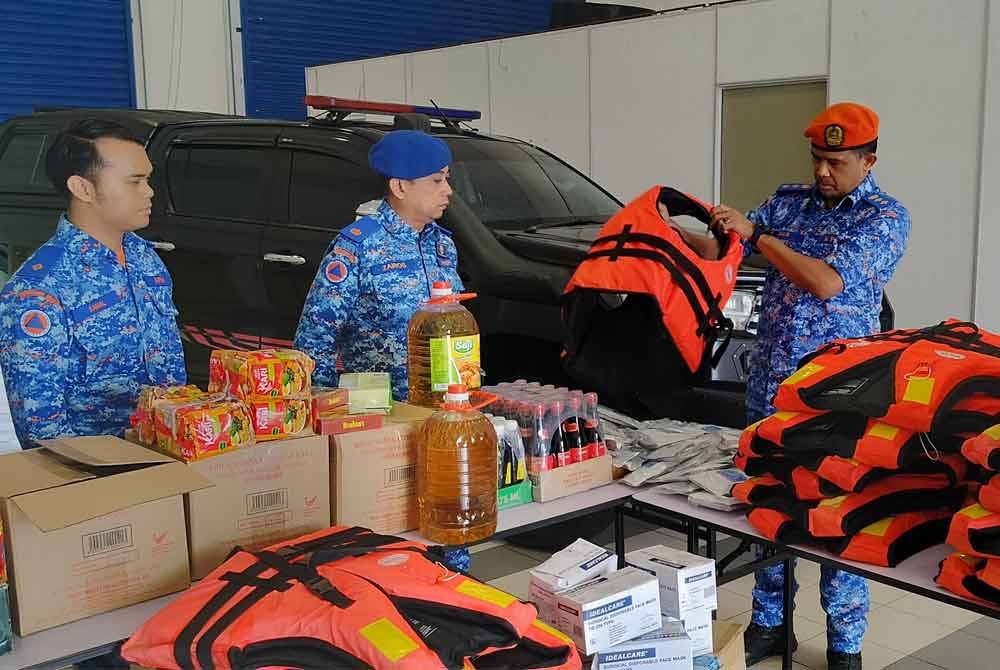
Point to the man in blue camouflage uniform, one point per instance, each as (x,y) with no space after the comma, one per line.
(90,316)
(379,269)
(832,246)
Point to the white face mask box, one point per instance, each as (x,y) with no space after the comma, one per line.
(607,611)
(666,649)
(577,563)
(687,581)
(698,624)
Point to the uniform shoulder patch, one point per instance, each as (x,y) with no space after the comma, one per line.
(41,263)
(794,189)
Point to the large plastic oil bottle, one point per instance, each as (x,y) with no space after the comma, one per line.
(457,472)
(442,344)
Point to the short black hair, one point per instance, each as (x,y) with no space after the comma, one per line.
(74,151)
(869,148)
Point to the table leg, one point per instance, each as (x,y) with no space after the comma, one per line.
(620,535)
(713,546)
(692,530)
(789,614)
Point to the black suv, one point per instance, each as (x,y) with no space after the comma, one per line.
(244,210)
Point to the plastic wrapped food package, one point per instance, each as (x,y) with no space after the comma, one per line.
(261,375)
(194,430)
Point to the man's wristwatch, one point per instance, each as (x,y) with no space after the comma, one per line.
(758,230)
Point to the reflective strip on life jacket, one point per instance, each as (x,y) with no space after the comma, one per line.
(984,449)
(957,571)
(636,252)
(908,379)
(976,530)
(894,539)
(292,600)
(848,514)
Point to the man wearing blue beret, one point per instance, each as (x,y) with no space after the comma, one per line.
(380,268)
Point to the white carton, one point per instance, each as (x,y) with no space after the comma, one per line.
(610,610)
(698,624)
(687,581)
(666,649)
(577,563)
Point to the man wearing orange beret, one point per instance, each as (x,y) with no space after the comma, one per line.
(832,246)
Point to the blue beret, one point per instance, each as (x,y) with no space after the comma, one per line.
(409,154)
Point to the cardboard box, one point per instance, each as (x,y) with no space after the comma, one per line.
(666,649)
(373,473)
(514,495)
(93,524)
(569,479)
(338,425)
(607,611)
(687,581)
(729,648)
(698,624)
(264,494)
(580,562)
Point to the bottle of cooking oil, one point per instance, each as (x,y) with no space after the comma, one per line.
(457,472)
(442,347)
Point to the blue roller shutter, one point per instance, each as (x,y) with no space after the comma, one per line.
(65,53)
(282,37)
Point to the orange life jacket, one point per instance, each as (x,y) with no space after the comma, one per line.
(959,573)
(984,449)
(638,255)
(910,379)
(338,598)
(988,494)
(894,539)
(976,530)
(853,476)
(542,646)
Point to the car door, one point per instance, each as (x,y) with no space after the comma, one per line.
(215,193)
(327,176)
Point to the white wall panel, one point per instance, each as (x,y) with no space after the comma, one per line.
(919,64)
(778,39)
(988,277)
(653,103)
(186,61)
(344,80)
(457,77)
(385,79)
(540,92)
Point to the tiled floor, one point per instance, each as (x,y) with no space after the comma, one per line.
(906,631)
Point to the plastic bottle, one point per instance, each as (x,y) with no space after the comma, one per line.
(442,347)
(592,436)
(519,467)
(457,472)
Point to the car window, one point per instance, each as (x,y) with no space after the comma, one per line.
(220,182)
(509,185)
(326,190)
(22,163)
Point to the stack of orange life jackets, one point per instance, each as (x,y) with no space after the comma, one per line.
(974,570)
(862,456)
(346,598)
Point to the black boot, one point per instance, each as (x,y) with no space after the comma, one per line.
(835,660)
(763,642)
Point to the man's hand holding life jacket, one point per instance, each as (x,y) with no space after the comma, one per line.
(808,273)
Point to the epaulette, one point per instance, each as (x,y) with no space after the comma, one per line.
(40,263)
(360,229)
(794,189)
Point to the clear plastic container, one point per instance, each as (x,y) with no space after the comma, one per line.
(457,473)
(442,343)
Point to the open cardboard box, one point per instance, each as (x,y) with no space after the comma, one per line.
(92,524)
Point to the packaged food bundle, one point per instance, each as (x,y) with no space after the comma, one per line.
(368,392)
(279,418)
(329,402)
(261,375)
(144,419)
(198,429)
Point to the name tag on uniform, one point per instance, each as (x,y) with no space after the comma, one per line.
(89,309)
(386,267)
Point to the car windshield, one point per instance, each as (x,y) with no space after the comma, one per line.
(514,186)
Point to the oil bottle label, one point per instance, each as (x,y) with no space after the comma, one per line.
(455,360)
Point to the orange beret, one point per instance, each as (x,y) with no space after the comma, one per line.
(846,125)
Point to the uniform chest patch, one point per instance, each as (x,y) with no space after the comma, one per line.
(336,271)
(443,255)
(35,323)
(386,267)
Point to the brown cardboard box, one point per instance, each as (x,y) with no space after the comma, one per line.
(569,479)
(373,473)
(728,643)
(263,494)
(93,524)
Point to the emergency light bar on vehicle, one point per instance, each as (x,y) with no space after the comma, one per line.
(369,106)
